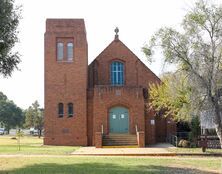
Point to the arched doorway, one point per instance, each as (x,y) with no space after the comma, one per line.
(118,120)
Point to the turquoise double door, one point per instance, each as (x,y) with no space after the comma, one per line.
(118,120)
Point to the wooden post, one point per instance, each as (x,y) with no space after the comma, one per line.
(204,143)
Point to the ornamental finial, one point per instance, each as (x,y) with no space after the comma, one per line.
(116,31)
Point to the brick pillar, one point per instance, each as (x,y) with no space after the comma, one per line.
(141,139)
(98,140)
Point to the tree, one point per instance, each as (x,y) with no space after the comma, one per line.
(197,51)
(29,117)
(10,115)
(195,130)
(34,117)
(19,134)
(172,96)
(9,17)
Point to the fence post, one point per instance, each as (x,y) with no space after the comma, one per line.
(176,141)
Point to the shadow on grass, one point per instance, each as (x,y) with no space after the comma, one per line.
(100,168)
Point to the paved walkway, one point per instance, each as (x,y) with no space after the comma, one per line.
(159,149)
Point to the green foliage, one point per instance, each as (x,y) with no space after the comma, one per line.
(10,115)
(196,51)
(9,17)
(34,117)
(173,95)
(195,130)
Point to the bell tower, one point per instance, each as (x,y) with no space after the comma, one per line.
(65,72)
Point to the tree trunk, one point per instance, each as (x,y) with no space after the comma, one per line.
(219,134)
(217,122)
(40,132)
(7,129)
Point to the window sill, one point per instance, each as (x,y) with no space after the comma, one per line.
(65,61)
(117,85)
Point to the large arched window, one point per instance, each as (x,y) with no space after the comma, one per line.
(117,73)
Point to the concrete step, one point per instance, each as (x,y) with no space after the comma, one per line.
(119,140)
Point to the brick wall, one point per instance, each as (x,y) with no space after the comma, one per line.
(65,82)
(88,88)
(137,76)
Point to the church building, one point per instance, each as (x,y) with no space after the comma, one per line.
(105,103)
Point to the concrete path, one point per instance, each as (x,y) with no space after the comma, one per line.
(156,150)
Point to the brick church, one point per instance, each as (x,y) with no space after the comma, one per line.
(103,103)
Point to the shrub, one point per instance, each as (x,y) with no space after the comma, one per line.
(180,143)
(195,129)
(184,143)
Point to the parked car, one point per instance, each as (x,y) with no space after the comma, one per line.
(2,131)
(33,131)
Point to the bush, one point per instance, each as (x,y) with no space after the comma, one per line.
(195,130)
(184,143)
(180,143)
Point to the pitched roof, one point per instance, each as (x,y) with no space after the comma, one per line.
(116,40)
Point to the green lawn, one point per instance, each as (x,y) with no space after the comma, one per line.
(108,165)
(57,161)
(31,145)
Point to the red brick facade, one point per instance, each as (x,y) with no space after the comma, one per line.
(89,89)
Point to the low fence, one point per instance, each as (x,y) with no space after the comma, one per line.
(172,139)
(211,142)
(175,139)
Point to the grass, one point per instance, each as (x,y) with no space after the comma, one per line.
(31,145)
(193,150)
(54,159)
(108,165)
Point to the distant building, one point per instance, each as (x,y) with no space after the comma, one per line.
(104,103)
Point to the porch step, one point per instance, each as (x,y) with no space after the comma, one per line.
(119,140)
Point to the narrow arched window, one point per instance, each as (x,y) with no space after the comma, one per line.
(60,110)
(70,51)
(70,109)
(59,51)
(117,73)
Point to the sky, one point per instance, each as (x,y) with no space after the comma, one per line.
(137,21)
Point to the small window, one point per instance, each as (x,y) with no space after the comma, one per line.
(59,51)
(60,110)
(70,109)
(69,51)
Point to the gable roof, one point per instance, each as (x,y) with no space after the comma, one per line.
(119,41)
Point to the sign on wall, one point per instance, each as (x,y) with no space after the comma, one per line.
(152,122)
